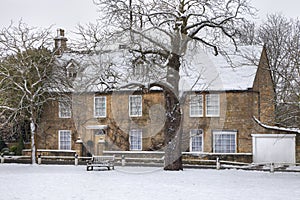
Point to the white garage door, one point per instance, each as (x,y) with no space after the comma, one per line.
(276,148)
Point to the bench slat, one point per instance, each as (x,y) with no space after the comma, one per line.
(101,161)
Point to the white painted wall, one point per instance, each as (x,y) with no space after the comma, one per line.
(275,148)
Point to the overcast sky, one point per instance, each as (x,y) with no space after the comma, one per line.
(67,14)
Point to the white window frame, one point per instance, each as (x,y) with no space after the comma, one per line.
(227,148)
(193,134)
(64,109)
(137,113)
(196,101)
(215,105)
(100,115)
(135,140)
(68,143)
(139,69)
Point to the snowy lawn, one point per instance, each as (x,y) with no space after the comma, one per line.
(28,182)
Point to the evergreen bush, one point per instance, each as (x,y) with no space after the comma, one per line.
(2,144)
(20,146)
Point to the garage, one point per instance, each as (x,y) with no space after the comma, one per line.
(274,148)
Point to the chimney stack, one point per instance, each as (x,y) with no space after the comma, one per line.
(60,42)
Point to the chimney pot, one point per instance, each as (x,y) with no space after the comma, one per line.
(60,32)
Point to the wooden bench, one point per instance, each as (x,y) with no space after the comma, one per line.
(101,161)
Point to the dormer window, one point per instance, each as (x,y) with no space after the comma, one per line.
(139,68)
(122,46)
(71,74)
(72,69)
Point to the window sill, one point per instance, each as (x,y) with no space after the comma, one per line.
(196,116)
(102,117)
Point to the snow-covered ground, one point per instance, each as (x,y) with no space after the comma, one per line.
(28,182)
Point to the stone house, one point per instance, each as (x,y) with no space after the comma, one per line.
(227,113)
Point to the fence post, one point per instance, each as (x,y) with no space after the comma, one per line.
(272,167)
(76,159)
(39,159)
(2,158)
(123,161)
(218,164)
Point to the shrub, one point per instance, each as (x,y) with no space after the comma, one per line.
(2,144)
(13,150)
(5,151)
(20,146)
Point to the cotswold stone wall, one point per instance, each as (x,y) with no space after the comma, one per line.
(117,120)
(49,126)
(120,123)
(263,84)
(236,114)
(237,109)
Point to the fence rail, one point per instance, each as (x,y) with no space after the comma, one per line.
(142,161)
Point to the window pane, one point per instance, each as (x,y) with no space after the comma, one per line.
(196,106)
(224,141)
(135,105)
(65,140)
(196,140)
(212,105)
(135,139)
(100,106)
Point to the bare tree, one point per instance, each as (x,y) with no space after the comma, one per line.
(248,34)
(282,39)
(160,33)
(288,73)
(28,77)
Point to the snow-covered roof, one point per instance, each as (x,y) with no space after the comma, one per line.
(234,71)
(200,69)
(95,71)
(293,130)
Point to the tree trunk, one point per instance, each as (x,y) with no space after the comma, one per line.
(173,130)
(33,149)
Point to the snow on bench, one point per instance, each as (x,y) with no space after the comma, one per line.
(101,161)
